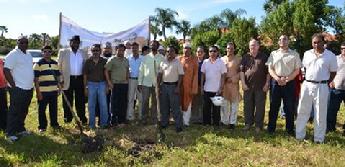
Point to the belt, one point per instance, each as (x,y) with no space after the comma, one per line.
(76,76)
(135,78)
(318,82)
(170,83)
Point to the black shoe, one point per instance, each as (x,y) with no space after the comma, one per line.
(232,126)
(291,133)
(178,130)
(67,120)
(56,127)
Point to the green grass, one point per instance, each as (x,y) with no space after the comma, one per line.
(196,146)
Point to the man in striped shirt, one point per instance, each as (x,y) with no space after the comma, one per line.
(47,88)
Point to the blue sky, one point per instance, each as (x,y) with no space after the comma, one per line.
(38,16)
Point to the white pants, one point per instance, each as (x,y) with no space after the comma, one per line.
(312,95)
(187,114)
(133,94)
(228,113)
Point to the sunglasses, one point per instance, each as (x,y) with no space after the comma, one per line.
(47,51)
(212,51)
(95,50)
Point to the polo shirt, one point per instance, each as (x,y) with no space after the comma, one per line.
(47,73)
(255,71)
(339,80)
(319,68)
(213,73)
(95,71)
(20,64)
(118,68)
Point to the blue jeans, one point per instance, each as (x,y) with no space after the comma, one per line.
(336,96)
(97,91)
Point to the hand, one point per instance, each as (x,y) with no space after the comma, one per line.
(110,86)
(85,92)
(281,81)
(220,92)
(39,96)
(244,87)
(61,84)
(140,88)
(266,87)
(331,85)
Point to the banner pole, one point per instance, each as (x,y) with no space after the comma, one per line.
(149,38)
(60,20)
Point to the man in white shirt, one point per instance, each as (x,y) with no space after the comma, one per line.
(19,73)
(134,61)
(71,63)
(320,68)
(213,72)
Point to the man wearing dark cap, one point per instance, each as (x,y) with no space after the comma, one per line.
(20,76)
(71,61)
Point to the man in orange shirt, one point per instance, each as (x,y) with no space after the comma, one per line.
(3,98)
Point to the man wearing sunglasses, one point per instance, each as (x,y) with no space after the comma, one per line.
(20,76)
(47,75)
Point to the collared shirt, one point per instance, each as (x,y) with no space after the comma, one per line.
(254,69)
(171,70)
(134,64)
(148,71)
(95,71)
(3,82)
(76,63)
(47,72)
(20,65)
(339,80)
(213,73)
(118,68)
(319,68)
(284,63)
(158,59)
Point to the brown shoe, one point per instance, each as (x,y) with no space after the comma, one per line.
(246,127)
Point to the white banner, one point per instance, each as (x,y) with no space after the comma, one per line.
(68,28)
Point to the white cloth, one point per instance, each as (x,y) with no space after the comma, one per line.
(213,73)
(133,94)
(76,63)
(339,80)
(319,68)
(316,94)
(187,114)
(21,68)
(171,70)
(228,112)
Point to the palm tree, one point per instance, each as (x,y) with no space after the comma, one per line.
(184,28)
(45,38)
(166,19)
(229,16)
(3,29)
(35,41)
(154,27)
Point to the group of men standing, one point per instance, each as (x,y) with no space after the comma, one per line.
(164,84)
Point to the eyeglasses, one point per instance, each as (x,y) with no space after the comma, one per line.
(342,48)
(212,51)
(47,51)
(95,50)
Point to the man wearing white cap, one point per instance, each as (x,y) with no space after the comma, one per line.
(189,83)
(161,50)
(128,51)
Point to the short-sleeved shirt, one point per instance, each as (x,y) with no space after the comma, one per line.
(339,80)
(148,71)
(47,72)
(118,68)
(255,71)
(95,71)
(134,64)
(213,74)
(20,64)
(171,70)
(319,68)
(3,83)
(284,63)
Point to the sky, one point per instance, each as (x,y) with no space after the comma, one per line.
(42,16)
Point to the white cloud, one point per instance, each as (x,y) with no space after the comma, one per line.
(40,17)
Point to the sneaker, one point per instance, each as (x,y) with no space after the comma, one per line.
(12,139)
(42,130)
(232,126)
(24,133)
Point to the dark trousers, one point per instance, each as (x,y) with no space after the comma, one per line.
(287,94)
(210,110)
(336,96)
(51,100)
(20,100)
(76,92)
(170,101)
(197,108)
(119,100)
(254,107)
(3,108)
(147,113)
